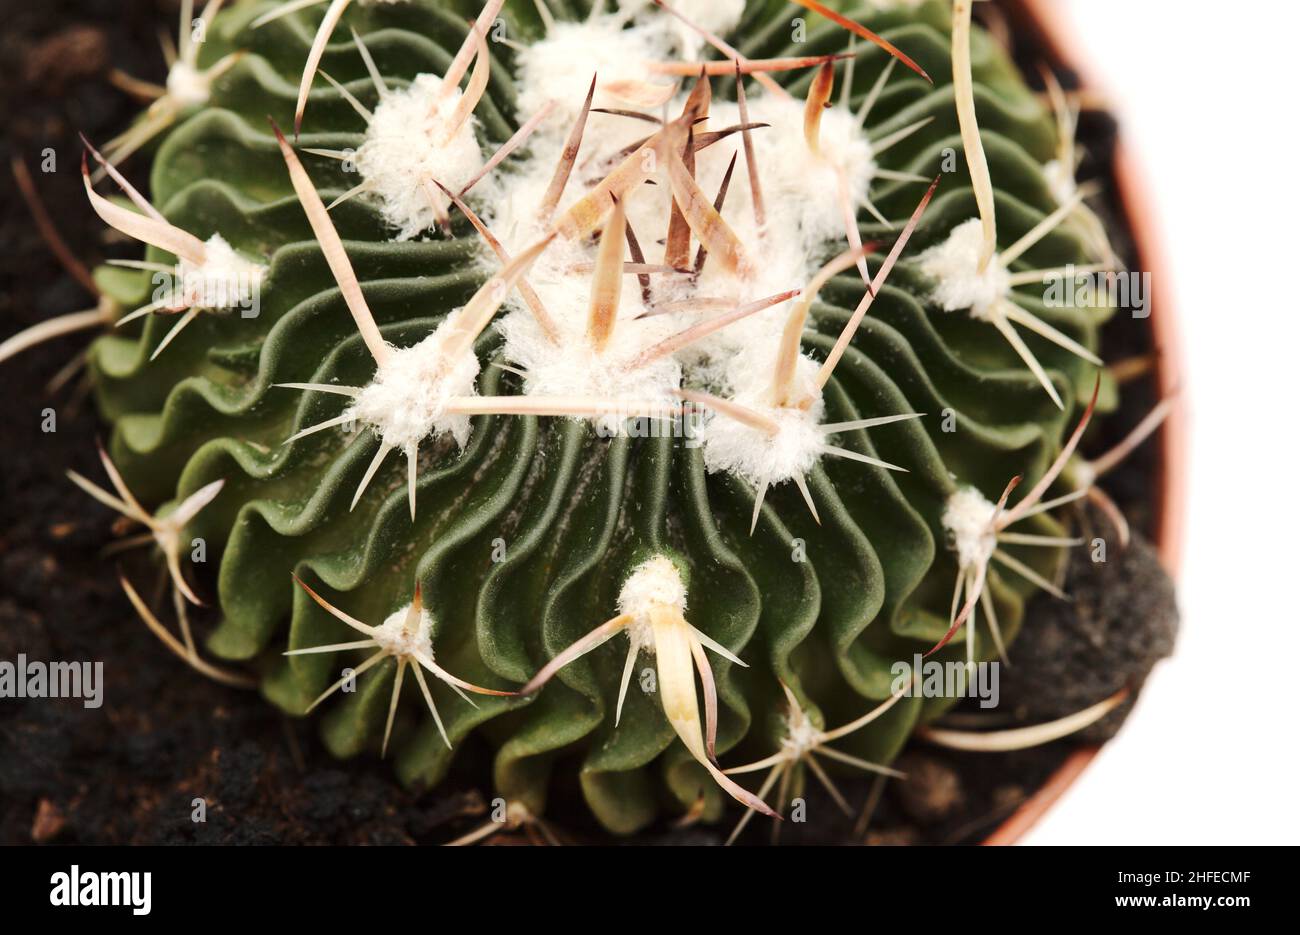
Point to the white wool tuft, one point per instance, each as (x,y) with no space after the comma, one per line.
(800,187)
(395,637)
(801,734)
(1060,180)
(569,366)
(968,518)
(805,223)
(188,86)
(407,400)
(1082,474)
(751,453)
(223,280)
(655,582)
(805,227)
(954,266)
(405,147)
(801,195)
(560,66)
(805,220)
(719,17)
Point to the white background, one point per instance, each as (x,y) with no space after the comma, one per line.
(1208,94)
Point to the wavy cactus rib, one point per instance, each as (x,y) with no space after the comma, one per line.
(521,533)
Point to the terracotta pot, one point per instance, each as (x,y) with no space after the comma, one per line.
(1044,20)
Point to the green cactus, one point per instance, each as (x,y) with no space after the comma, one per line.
(522,533)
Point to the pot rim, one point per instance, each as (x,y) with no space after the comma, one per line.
(1051,25)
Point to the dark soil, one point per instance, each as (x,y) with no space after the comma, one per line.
(130,771)
(1120,622)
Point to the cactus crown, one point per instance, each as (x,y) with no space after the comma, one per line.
(673,334)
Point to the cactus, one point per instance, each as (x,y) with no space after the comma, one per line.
(447,383)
